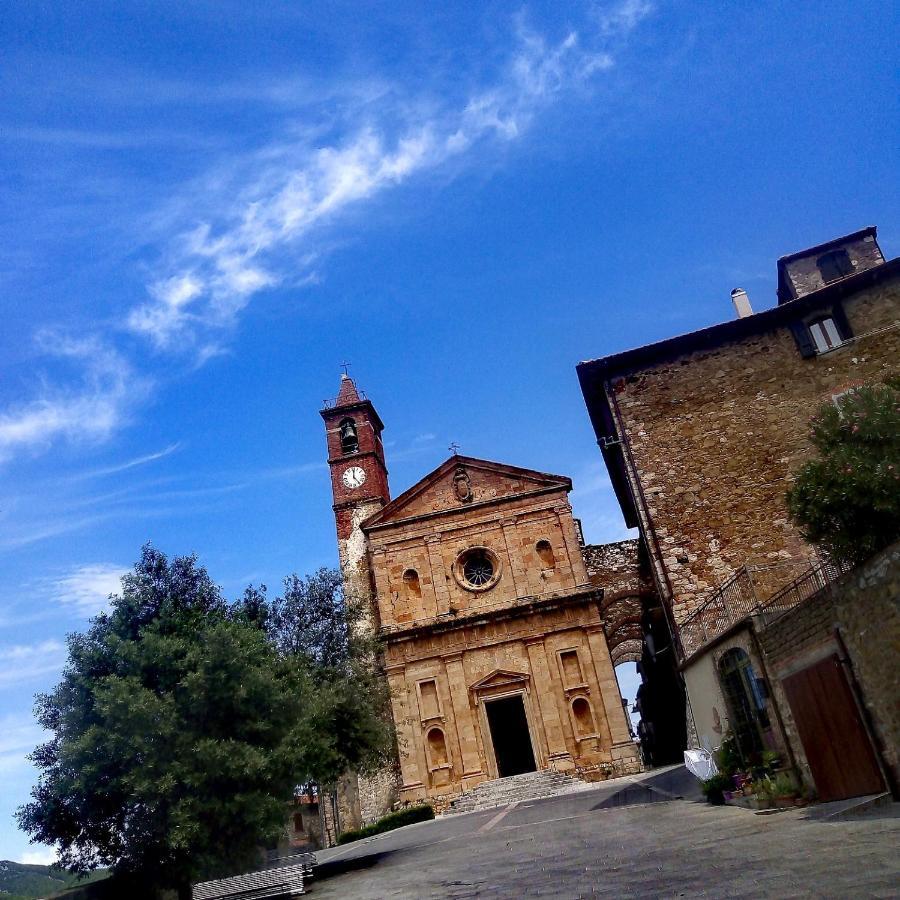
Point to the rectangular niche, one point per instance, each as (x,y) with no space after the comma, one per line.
(570,667)
(429,700)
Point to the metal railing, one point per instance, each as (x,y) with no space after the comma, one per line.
(332,402)
(733,601)
(811,583)
(748,592)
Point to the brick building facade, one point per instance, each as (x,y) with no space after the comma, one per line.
(494,642)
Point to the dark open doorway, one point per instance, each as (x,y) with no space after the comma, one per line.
(509,733)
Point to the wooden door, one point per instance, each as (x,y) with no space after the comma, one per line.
(834,738)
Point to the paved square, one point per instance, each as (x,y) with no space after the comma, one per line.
(589,844)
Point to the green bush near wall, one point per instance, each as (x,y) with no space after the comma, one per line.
(389,823)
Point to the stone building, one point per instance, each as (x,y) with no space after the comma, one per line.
(494,641)
(702,435)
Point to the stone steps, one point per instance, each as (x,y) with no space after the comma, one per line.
(515,789)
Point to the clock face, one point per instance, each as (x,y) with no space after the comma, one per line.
(353,477)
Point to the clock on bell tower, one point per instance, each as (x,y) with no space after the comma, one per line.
(359,478)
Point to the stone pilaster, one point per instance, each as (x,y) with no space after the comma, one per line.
(609,686)
(464,717)
(407,735)
(438,579)
(547,702)
(517,571)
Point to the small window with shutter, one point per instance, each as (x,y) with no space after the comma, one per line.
(834,265)
(822,333)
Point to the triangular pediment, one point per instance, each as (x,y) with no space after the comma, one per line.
(464,481)
(499,678)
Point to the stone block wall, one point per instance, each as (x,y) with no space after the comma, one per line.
(717,436)
(552,657)
(620,570)
(804,275)
(429,548)
(867,611)
(860,614)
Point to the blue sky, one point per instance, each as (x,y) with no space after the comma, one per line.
(206,207)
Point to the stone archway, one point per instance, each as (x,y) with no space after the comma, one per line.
(629,650)
(622,616)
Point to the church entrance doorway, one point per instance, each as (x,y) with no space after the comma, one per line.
(510,735)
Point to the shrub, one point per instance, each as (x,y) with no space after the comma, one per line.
(389,822)
(847,499)
(728,757)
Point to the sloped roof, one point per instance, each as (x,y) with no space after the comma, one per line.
(347,393)
(435,493)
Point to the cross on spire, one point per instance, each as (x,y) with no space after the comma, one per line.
(454,448)
(346,367)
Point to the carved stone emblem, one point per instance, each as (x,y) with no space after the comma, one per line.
(461,485)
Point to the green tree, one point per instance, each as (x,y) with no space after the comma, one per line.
(316,622)
(179,731)
(847,499)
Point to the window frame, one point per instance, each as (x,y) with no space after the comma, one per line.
(839,261)
(805,338)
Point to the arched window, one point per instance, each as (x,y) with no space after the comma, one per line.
(411,584)
(584,718)
(437,748)
(745,695)
(298,822)
(545,554)
(349,439)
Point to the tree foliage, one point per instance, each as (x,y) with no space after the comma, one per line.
(182,725)
(847,499)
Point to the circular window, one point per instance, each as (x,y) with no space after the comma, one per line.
(477,569)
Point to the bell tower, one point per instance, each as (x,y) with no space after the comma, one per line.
(359,477)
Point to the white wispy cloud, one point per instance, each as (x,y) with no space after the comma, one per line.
(622,17)
(294,190)
(88,587)
(108,389)
(264,214)
(128,464)
(27,662)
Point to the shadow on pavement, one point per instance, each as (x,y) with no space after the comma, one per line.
(631,796)
(677,781)
(353,864)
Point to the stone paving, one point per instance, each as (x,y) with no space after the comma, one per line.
(626,838)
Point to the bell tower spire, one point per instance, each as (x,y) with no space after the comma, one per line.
(359,477)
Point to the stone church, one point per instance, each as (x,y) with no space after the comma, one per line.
(494,641)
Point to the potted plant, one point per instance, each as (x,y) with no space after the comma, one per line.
(763,791)
(784,790)
(714,788)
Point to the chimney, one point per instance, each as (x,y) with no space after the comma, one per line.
(741,303)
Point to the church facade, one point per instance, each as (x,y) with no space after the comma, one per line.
(494,641)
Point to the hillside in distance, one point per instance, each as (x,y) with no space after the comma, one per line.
(19,881)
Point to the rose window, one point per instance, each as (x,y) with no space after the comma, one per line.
(477,569)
